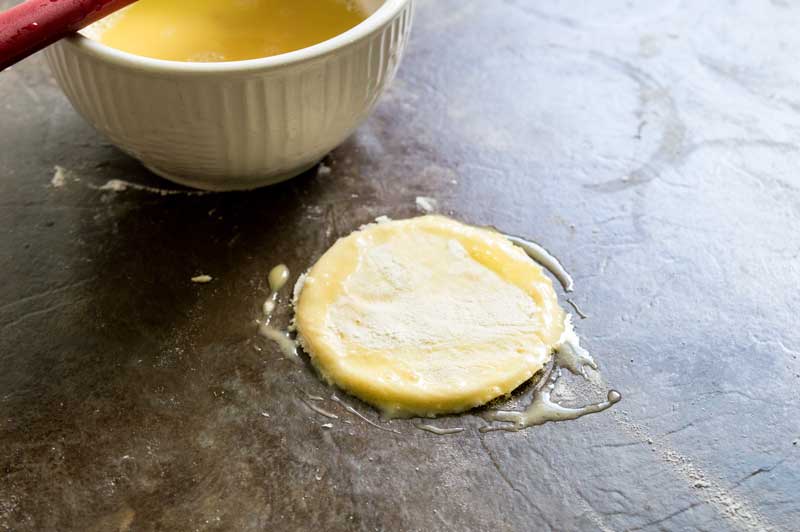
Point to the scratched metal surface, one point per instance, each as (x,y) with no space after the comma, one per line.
(652,146)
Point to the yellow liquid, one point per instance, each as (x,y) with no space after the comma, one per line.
(226,30)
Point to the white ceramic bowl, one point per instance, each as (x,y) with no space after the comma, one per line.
(240,124)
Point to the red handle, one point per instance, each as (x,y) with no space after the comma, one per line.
(34,24)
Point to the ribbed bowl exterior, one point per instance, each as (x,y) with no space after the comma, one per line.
(234,130)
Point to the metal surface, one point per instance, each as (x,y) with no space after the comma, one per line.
(652,147)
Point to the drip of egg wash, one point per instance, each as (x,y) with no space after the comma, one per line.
(542,409)
(278,277)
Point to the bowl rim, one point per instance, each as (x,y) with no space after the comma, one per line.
(373,23)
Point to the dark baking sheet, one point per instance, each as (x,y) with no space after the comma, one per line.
(651,146)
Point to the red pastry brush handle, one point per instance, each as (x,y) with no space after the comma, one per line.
(34,24)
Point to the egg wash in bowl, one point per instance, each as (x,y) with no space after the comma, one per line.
(226,30)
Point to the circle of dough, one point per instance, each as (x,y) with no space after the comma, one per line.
(427,316)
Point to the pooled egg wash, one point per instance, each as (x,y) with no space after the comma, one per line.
(225,30)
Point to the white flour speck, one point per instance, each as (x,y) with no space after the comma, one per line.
(118,185)
(426,204)
(115,185)
(59,177)
(323,170)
